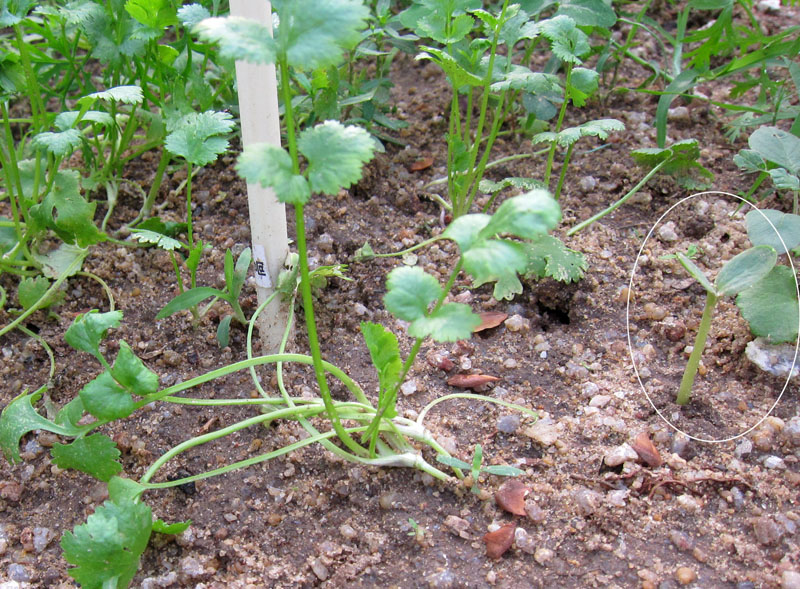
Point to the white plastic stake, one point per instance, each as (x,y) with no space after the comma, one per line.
(258,107)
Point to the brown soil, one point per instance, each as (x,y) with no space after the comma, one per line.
(712,515)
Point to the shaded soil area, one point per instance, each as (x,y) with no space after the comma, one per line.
(599,513)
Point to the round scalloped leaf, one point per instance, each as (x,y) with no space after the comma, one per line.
(768,227)
(770,306)
(239,38)
(336,155)
(745,269)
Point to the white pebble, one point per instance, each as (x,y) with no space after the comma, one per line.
(409,387)
(599,400)
(621,454)
(775,462)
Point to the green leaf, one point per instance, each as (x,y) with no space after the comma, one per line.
(449,323)
(566,137)
(60,144)
(459,77)
(465,230)
(522,78)
(71,413)
(191,14)
(453,462)
(770,306)
(783,180)
(768,227)
(105,399)
(106,549)
(96,455)
(385,354)
(568,42)
(57,263)
(240,272)
(681,163)
(13,12)
(87,330)
(124,490)
(409,292)
(492,187)
(124,94)
(271,165)
(444,22)
(364,253)
(335,154)
(239,38)
(745,269)
(224,331)
(175,528)
(528,216)
(503,470)
(497,260)
(680,83)
(749,161)
(67,119)
(131,373)
(548,256)
(66,212)
(169,228)
(777,146)
(19,417)
(696,273)
(583,83)
(195,137)
(154,14)
(31,289)
(188,299)
(314,34)
(588,13)
(157,239)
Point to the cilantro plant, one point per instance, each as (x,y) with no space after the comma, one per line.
(476,467)
(467,39)
(323,159)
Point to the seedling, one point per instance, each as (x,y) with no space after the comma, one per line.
(736,276)
(476,468)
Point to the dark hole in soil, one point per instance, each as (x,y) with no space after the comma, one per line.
(551,316)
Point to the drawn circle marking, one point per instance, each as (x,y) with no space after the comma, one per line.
(628,326)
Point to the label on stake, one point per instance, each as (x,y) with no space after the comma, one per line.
(260,264)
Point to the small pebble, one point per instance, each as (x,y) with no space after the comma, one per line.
(617,498)
(508,424)
(359,309)
(517,323)
(685,575)
(790,580)
(667,232)
(589,389)
(230,517)
(621,454)
(543,556)
(743,448)
(767,531)
(409,387)
(17,572)
(678,114)
(347,531)
(774,462)
(599,400)
(688,503)
(319,568)
(535,513)
(587,183)
(524,541)
(792,431)
(587,501)
(192,568)
(41,538)
(543,431)
(680,444)
(681,540)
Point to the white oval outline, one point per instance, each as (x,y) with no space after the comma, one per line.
(628,327)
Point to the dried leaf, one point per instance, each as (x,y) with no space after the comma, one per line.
(499,541)
(490,319)
(646,450)
(511,496)
(421,164)
(471,381)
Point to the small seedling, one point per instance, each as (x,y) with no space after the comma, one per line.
(476,468)
(737,275)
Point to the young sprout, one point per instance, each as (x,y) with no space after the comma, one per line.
(738,274)
(476,468)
